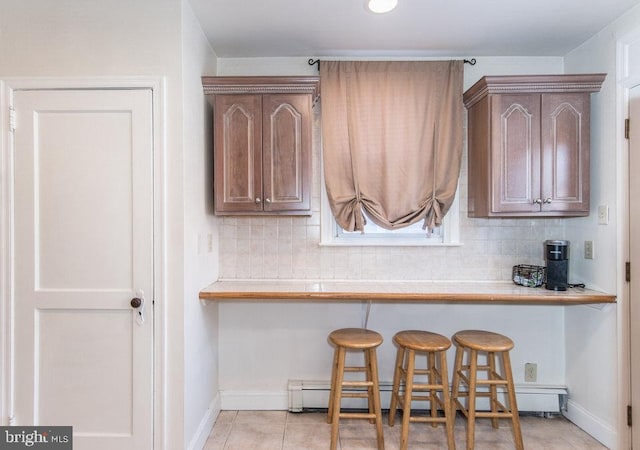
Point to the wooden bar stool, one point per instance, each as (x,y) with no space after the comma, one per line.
(437,381)
(367,341)
(494,345)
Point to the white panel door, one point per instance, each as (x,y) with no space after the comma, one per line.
(83,249)
(634,257)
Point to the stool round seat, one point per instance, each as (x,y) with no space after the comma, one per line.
(422,341)
(485,341)
(356,338)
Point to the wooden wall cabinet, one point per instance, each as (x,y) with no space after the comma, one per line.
(528,145)
(262,144)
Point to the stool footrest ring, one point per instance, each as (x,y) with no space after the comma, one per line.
(357,415)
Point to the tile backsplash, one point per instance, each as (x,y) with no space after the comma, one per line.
(288,247)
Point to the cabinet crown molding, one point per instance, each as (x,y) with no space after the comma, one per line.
(263,85)
(518,84)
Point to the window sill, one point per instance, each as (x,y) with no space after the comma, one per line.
(386,243)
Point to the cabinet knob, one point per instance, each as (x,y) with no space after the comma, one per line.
(538,201)
(267,200)
(547,200)
(258,200)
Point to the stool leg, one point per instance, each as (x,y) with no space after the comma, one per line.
(449,412)
(334,371)
(395,392)
(513,406)
(367,365)
(373,369)
(432,379)
(471,407)
(493,398)
(337,397)
(457,366)
(406,405)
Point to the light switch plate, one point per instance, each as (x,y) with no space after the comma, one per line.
(603,215)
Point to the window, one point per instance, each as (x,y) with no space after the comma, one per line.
(332,235)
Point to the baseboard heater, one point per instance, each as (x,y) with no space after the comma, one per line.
(310,394)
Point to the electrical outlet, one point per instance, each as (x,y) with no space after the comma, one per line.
(530,372)
(588,249)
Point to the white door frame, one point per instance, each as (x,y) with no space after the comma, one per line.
(158,87)
(625,81)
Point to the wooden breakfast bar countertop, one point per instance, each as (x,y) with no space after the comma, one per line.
(462,292)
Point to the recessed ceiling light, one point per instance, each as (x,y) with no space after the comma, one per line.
(381,6)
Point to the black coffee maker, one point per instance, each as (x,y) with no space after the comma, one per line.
(557,257)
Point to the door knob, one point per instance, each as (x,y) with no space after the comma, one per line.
(138,304)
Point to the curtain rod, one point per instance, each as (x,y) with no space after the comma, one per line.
(313,62)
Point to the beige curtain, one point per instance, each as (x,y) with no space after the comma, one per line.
(392,140)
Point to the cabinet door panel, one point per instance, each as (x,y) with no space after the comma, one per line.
(516,153)
(565,157)
(286,152)
(238,160)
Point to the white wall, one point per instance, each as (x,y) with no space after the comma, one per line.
(264,345)
(201,404)
(90,38)
(593,335)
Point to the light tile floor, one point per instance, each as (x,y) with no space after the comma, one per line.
(281,430)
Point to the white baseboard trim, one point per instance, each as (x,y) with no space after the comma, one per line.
(255,401)
(305,394)
(593,425)
(199,439)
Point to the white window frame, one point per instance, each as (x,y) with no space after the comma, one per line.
(329,235)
